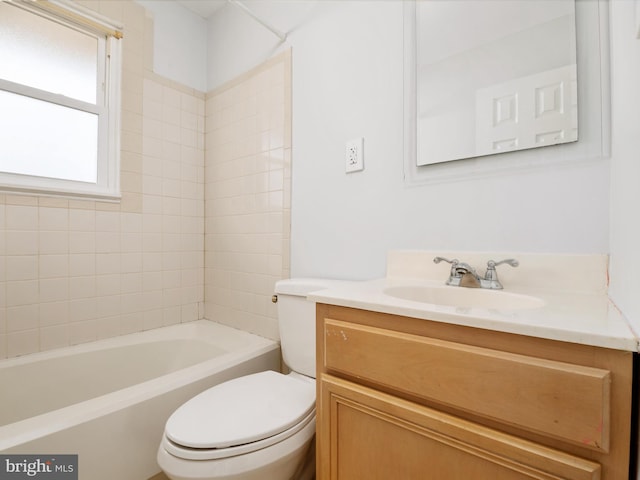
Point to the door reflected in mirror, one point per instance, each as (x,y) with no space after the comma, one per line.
(494,76)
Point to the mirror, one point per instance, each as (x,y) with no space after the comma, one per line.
(494,76)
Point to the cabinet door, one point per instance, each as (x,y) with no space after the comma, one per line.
(366,434)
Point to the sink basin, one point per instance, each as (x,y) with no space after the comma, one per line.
(465,297)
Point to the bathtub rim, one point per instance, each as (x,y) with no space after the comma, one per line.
(23,431)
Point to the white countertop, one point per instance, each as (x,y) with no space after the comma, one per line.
(585,316)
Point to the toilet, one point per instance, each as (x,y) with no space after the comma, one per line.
(260,426)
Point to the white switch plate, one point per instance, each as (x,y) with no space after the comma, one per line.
(354,155)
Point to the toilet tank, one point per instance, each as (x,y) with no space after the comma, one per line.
(297,322)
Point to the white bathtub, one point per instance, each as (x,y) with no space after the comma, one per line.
(108,401)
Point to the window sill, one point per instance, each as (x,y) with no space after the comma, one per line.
(75,194)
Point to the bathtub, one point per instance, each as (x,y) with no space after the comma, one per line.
(108,401)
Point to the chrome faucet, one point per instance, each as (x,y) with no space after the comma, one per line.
(464,275)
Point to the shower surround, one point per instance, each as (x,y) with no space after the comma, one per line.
(74,270)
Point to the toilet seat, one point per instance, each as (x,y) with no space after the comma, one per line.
(220,453)
(240,416)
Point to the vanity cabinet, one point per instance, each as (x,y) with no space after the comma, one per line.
(406,398)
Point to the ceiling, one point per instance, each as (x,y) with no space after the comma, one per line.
(204,8)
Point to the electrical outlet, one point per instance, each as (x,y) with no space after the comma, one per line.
(354,155)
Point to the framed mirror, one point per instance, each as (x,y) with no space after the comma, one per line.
(494,76)
(503,77)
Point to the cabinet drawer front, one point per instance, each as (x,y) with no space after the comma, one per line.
(410,441)
(561,400)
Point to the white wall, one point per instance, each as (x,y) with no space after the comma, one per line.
(236,43)
(348,83)
(625,166)
(180,43)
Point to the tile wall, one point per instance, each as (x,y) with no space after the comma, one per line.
(73,271)
(248,178)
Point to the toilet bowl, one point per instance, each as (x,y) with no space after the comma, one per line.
(256,427)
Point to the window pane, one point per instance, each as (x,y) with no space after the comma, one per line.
(47,55)
(47,140)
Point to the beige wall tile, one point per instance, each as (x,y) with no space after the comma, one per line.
(19,217)
(55,219)
(53,313)
(108,285)
(21,292)
(73,271)
(247,177)
(51,266)
(81,310)
(53,242)
(22,267)
(82,220)
(82,287)
(23,342)
(171,315)
(55,336)
(54,289)
(82,242)
(3,343)
(26,200)
(83,331)
(82,264)
(23,317)
(107,263)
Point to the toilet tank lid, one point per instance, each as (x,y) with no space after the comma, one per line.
(304,286)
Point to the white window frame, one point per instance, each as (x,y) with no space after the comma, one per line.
(107,106)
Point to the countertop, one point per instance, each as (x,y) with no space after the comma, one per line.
(585,316)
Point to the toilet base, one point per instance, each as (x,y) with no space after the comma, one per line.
(307,470)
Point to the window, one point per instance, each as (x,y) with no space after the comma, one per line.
(59,100)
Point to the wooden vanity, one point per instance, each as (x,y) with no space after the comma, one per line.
(403,398)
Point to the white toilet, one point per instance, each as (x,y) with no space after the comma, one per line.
(259,426)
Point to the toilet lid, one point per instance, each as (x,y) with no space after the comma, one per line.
(242,410)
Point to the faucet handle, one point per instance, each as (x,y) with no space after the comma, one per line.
(509,261)
(492,275)
(453,262)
